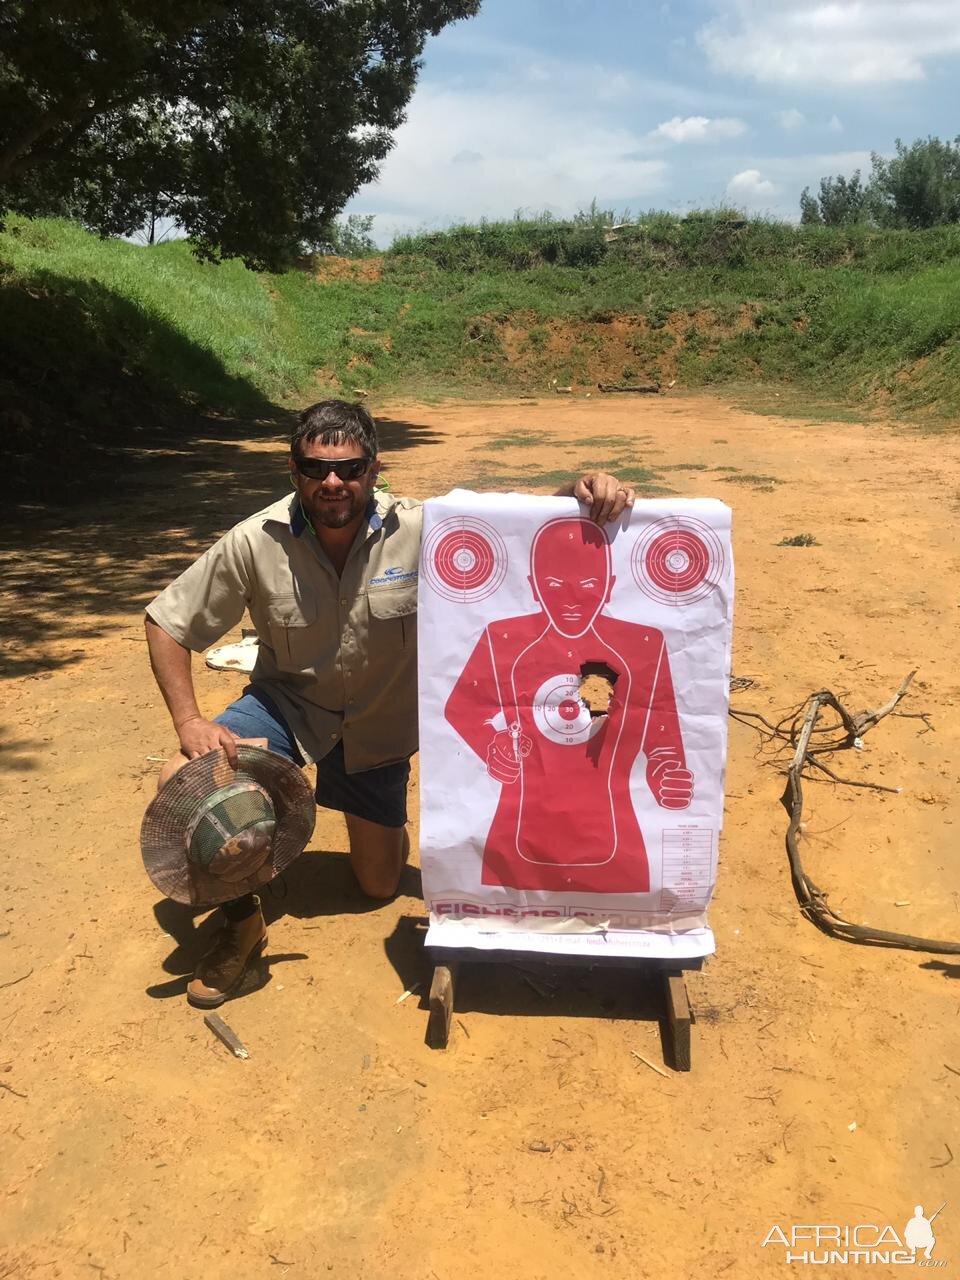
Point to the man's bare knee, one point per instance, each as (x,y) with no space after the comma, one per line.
(170,768)
(377,855)
(376,885)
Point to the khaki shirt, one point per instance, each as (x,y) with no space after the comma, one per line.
(337,655)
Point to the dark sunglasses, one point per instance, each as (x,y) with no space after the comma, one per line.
(343,468)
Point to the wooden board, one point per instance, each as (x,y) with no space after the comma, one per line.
(676,1024)
(679,1017)
(441,1005)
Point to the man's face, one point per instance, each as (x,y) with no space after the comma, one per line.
(571,574)
(330,501)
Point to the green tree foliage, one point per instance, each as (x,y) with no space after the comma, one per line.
(251,122)
(919,186)
(841,201)
(351,237)
(809,209)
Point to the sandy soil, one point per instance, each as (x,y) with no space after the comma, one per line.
(825,1078)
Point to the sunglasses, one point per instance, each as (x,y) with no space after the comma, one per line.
(343,468)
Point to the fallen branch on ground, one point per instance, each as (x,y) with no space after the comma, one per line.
(642,388)
(797,729)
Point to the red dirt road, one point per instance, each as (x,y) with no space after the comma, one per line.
(825,1078)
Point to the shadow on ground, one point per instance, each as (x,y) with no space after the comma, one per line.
(319,883)
(529,986)
(66,571)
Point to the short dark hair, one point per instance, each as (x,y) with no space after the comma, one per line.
(336,422)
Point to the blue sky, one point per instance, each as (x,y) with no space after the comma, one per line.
(548,104)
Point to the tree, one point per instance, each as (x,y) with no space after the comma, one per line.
(841,201)
(350,237)
(919,186)
(809,209)
(251,122)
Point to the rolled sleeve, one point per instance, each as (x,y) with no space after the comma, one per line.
(208,599)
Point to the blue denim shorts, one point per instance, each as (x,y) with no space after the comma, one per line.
(379,795)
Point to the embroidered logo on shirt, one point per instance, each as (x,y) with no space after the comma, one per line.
(394,577)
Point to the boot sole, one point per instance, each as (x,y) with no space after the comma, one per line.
(214,1002)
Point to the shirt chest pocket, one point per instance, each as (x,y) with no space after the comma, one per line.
(393,615)
(296,632)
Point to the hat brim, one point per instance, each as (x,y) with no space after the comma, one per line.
(163,832)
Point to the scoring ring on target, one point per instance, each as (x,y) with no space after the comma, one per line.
(464,559)
(560,713)
(677,560)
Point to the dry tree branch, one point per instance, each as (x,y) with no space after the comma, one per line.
(848,732)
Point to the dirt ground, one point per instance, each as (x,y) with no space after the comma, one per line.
(826,1075)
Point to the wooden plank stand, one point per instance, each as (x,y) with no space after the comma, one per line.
(675,1024)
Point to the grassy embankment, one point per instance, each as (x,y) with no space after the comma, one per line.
(108,337)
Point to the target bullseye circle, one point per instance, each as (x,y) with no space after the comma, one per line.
(561,715)
(677,561)
(464,559)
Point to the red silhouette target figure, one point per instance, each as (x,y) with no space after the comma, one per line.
(566,819)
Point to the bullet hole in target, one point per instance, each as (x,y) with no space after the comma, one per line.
(597,681)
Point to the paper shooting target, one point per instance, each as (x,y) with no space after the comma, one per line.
(559,713)
(464,559)
(677,561)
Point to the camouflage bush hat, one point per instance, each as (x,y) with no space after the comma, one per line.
(213,833)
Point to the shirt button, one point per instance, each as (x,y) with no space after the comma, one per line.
(334,735)
(343,599)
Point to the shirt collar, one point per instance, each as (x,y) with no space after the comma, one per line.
(298,521)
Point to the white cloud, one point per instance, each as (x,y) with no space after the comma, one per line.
(699,129)
(470,154)
(840,42)
(751,188)
(791,119)
(777,189)
(834,124)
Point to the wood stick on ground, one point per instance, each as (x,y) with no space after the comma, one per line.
(13,981)
(813,900)
(652,1065)
(642,388)
(227,1035)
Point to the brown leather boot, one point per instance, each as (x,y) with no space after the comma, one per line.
(219,974)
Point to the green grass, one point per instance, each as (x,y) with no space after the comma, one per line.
(749,478)
(516,440)
(807,321)
(799,540)
(647,483)
(615,442)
